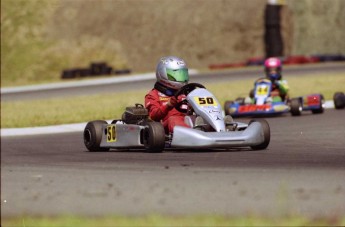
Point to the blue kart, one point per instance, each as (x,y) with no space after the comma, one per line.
(262,103)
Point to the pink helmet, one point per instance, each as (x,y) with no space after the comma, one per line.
(273,68)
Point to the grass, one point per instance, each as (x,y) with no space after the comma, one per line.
(160,220)
(112,105)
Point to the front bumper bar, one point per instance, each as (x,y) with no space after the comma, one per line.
(187,137)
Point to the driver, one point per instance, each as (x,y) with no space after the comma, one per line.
(171,74)
(273,70)
(280,88)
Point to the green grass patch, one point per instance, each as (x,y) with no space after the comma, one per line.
(159,220)
(112,105)
(67,110)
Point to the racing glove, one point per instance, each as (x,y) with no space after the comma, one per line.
(282,86)
(172,102)
(276,83)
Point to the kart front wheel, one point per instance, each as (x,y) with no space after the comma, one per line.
(339,100)
(267,134)
(154,137)
(93,135)
(296,107)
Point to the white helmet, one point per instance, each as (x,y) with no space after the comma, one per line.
(172,72)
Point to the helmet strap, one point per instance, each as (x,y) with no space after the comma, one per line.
(167,91)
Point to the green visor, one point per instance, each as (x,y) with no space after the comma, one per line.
(179,75)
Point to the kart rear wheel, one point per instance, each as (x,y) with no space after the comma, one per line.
(241,100)
(321,109)
(154,137)
(227,107)
(296,107)
(251,94)
(93,135)
(267,134)
(339,100)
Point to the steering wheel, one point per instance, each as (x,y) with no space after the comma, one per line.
(185,90)
(188,88)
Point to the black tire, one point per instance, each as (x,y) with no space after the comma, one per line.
(339,100)
(251,93)
(93,136)
(226,107)
(296,107)
(321,109)
(267,134)
(154,137)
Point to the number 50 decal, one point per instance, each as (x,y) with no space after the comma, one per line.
(206,101)
(111,133)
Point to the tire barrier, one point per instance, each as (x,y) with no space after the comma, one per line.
(95,69)
(100,69)
(227,65)
(289,60)
(299,60)
(326,58)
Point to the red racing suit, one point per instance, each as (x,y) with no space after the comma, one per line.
(156,104)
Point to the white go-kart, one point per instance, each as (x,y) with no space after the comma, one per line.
(208,128)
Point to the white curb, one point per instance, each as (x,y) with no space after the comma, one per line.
(43,130)
(329,104)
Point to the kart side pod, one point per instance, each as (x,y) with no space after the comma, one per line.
(101,136)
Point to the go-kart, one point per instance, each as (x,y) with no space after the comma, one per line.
(339,100)
(208,128)
(263,104)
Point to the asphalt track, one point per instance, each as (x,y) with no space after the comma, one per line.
(302,172)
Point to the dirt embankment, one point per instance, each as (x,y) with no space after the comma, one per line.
(201,31)
(50,35)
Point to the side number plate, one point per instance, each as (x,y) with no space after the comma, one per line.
(111,133)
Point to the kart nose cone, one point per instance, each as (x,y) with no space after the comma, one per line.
(252,135)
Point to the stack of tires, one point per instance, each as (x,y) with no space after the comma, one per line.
(95,69)
(273,38)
